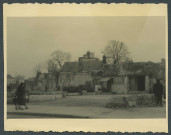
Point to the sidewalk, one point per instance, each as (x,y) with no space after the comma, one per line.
(45,111)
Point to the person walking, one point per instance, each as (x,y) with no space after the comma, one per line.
(20,97)
(158,92)
(16,98)
(23,97)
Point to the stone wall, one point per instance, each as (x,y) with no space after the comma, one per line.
(36,98)
(119,85)
(131,100)
(118,88)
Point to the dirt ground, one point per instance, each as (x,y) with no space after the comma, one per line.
(83,100)
(88,106)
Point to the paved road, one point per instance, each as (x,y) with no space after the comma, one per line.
(13,115)
(45,111)
(16,116)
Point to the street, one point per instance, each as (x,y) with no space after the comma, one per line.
(85,106)
(45,111)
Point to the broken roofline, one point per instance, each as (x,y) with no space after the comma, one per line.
(75,73)
(89,73)
(134,74)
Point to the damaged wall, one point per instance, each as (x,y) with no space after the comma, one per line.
(129,83)
(118,85)
(74,79)
(46,82)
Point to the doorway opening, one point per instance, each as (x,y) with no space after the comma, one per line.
(137,83)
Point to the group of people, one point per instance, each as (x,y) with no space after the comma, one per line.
(20,98)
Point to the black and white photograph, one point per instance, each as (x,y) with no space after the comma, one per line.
(86,67)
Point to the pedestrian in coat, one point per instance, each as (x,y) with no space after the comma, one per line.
(158,92)
(24,94)
(20,96)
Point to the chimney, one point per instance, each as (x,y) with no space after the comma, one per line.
(88,54)
(104,59)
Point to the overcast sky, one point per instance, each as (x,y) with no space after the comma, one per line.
(30,41)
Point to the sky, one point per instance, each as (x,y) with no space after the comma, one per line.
(31,40)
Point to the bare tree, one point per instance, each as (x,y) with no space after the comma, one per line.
(55,64)
(59,58)
(52,67)
(116,52)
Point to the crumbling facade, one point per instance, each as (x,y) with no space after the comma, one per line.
(131,77)
(131,83)
(46,82)
(73,79)
(87,63)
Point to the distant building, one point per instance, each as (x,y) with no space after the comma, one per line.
(137,77)
(130,76)
(14,80)
(81,72)
(163,62)
(11,80)
(70,67)
(46,82)
(89,56)
(74,79)
(104,59)
(87,63)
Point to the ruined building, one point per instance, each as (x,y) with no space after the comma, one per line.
(81,72)
(87,63)
(132,76)
(45,82)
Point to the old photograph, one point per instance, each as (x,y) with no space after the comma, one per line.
(86,67)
